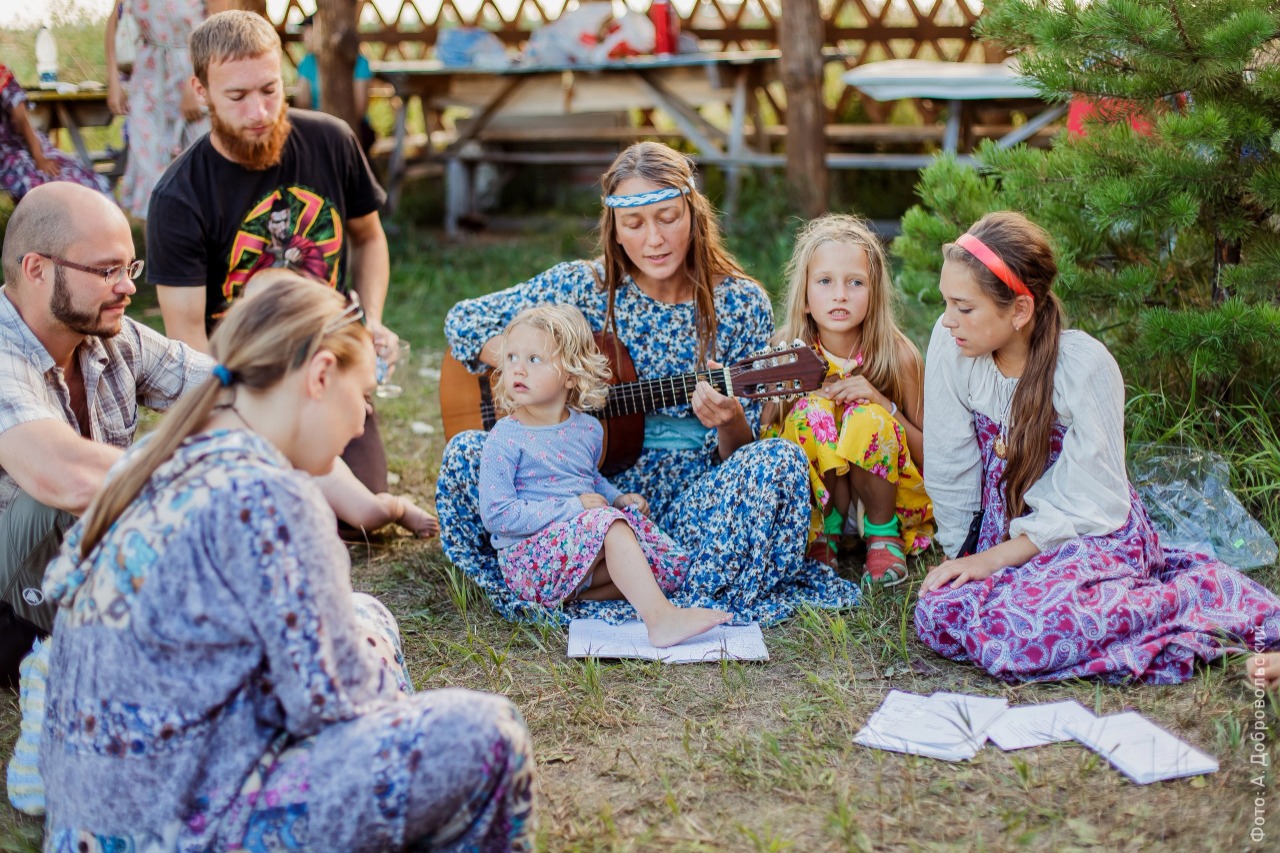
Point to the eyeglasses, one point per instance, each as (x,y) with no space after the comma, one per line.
(353,313)
(112,275)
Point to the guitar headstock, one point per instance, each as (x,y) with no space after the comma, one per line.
(779,372)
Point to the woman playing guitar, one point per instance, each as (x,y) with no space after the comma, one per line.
(673,295)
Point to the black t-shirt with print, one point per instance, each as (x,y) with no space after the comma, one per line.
(213,223)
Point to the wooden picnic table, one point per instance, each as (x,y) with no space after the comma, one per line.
(677,86)
(967,88)
(73,111)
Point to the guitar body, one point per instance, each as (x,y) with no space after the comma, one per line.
(466,400)
(623,434)
(462,397)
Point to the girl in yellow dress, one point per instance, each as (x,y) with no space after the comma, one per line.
(861,430)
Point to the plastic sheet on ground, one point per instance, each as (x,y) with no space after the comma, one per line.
(1186,494)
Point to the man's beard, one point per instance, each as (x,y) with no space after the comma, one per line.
(80,322)
(255,156)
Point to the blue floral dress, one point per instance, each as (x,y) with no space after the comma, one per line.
(212,685)
(742,522)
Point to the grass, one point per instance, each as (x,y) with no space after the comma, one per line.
(639,756)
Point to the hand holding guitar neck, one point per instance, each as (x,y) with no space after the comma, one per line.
(713,409)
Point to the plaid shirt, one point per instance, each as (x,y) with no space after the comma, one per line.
(136,366)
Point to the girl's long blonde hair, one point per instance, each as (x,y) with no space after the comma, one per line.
(882,342)
(707,261)
(261,340)
(573,344)
(1027,250)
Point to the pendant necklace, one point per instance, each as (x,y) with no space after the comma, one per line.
(847,365)
(1002,437)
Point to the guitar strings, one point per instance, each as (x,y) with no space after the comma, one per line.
(629,395)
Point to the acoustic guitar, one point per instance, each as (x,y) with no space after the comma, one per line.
(466,400)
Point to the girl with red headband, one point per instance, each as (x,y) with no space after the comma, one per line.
(1053,569)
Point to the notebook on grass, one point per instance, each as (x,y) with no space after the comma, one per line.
(596,638)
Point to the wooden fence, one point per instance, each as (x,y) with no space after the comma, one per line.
(860,30)
(864,30)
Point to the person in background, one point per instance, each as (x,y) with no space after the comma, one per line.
(307,96)
(264,175)
(165,116)
(27,157)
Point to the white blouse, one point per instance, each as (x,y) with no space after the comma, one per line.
(1084,493)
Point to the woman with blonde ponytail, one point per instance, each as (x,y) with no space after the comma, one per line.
(214,681)
(1053,569)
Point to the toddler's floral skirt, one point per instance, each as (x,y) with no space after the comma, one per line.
(548,567)
(867,436)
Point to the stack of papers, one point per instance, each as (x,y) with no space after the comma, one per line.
(950,726)
(1140,749)
(954,726)
(596,638)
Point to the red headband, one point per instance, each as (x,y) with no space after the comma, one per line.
(992,261)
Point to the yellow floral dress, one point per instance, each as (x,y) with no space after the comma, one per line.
(865,435)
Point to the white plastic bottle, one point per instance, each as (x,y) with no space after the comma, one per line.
(47,59)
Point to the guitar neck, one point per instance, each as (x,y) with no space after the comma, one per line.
(633,398)
(778,372)
(648,395)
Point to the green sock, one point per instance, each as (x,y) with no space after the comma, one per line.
(833,523)
(889,528)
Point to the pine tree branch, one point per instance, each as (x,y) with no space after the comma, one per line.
(1182,29)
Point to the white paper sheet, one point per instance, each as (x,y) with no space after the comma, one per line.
(1140,749)
(596,638)
(949,726)
(1036,725)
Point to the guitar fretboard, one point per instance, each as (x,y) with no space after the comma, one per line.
(633,398)
(648,395)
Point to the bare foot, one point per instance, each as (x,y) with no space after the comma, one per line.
(680,623)
(1264,670)
(421,523)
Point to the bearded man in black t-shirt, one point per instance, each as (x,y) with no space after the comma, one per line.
(217,210)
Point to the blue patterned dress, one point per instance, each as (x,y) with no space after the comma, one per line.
(213,686)
(743,522)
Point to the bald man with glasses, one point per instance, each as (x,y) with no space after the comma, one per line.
(73,372)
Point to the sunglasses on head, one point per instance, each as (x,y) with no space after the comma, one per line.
(353,313)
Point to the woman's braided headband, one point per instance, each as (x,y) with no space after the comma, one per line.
(642,199)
